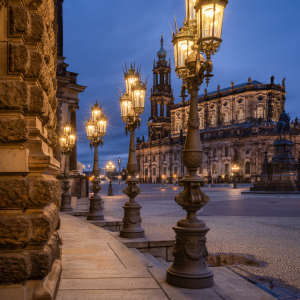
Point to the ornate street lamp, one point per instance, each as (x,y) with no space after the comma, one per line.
(235,169)
(191,43)
(132,105)
(67,141)
(96,129)
(110,167)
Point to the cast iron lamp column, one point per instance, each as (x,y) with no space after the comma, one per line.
(67,142)
(235,169)
(132,105)
(110,166)
(189,268)
(96,129)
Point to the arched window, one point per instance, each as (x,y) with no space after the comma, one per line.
(240,115)
(213,120)
(247,168)
(226,117)
(226,151)
(214,153)
(260,112)
(175,156)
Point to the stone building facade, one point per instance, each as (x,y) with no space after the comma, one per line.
(29,191)
(237,124)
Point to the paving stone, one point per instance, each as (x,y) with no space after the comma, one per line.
(138,294)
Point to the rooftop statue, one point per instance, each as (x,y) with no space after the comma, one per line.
(283,124)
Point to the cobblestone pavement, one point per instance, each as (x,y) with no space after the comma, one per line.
(265,227)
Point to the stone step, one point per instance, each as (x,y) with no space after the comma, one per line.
(147,259)
(166,264)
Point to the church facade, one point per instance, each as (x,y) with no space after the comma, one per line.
(237,124)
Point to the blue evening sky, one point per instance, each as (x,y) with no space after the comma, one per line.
(261,38)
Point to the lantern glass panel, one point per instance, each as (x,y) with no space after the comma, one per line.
(63,141)
(90,129)
(126,106)
(190,10)
(130,80)
(96,112)
(101,124)
(67,129)
(212,20)
(184,50)
(139,99)
(71,139)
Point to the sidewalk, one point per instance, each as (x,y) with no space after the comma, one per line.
(98,266)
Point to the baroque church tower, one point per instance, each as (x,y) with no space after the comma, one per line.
(159,124)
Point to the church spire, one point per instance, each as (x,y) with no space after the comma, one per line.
(162,53)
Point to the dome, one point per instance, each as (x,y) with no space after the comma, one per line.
(162,53)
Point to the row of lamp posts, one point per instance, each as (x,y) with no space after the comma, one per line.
(194,44)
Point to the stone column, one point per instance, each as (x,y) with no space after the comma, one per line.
(29,192)
(73,154)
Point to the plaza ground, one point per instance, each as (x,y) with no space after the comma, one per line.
(263,228)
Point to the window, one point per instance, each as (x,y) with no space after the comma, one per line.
(154,171)
(260,112)
(226,117)
(164,157)
(153,158)
(215,168)
(146,172)
(213,120)
(214,153)
(175,170)
(146,159)
(164,171)
(240,115)
(175,156)
(226,151)
(247,167)
(227,168)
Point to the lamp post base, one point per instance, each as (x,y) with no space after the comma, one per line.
(132,222)
(95,209)
(66,203)
(110,191)
(66,197)
(189,268)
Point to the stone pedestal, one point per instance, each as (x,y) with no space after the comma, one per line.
(189,269)
(132,222)
(110,191)
(282,172)
(96,203)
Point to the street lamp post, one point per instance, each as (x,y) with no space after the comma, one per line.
(119,163)
(89,170)
(96,129)
(201,34)
(235,169)
(67,142)
(132,106)
(163,181)
(109,167)
(175,176)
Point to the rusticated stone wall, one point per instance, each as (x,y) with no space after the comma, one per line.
(29,192)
